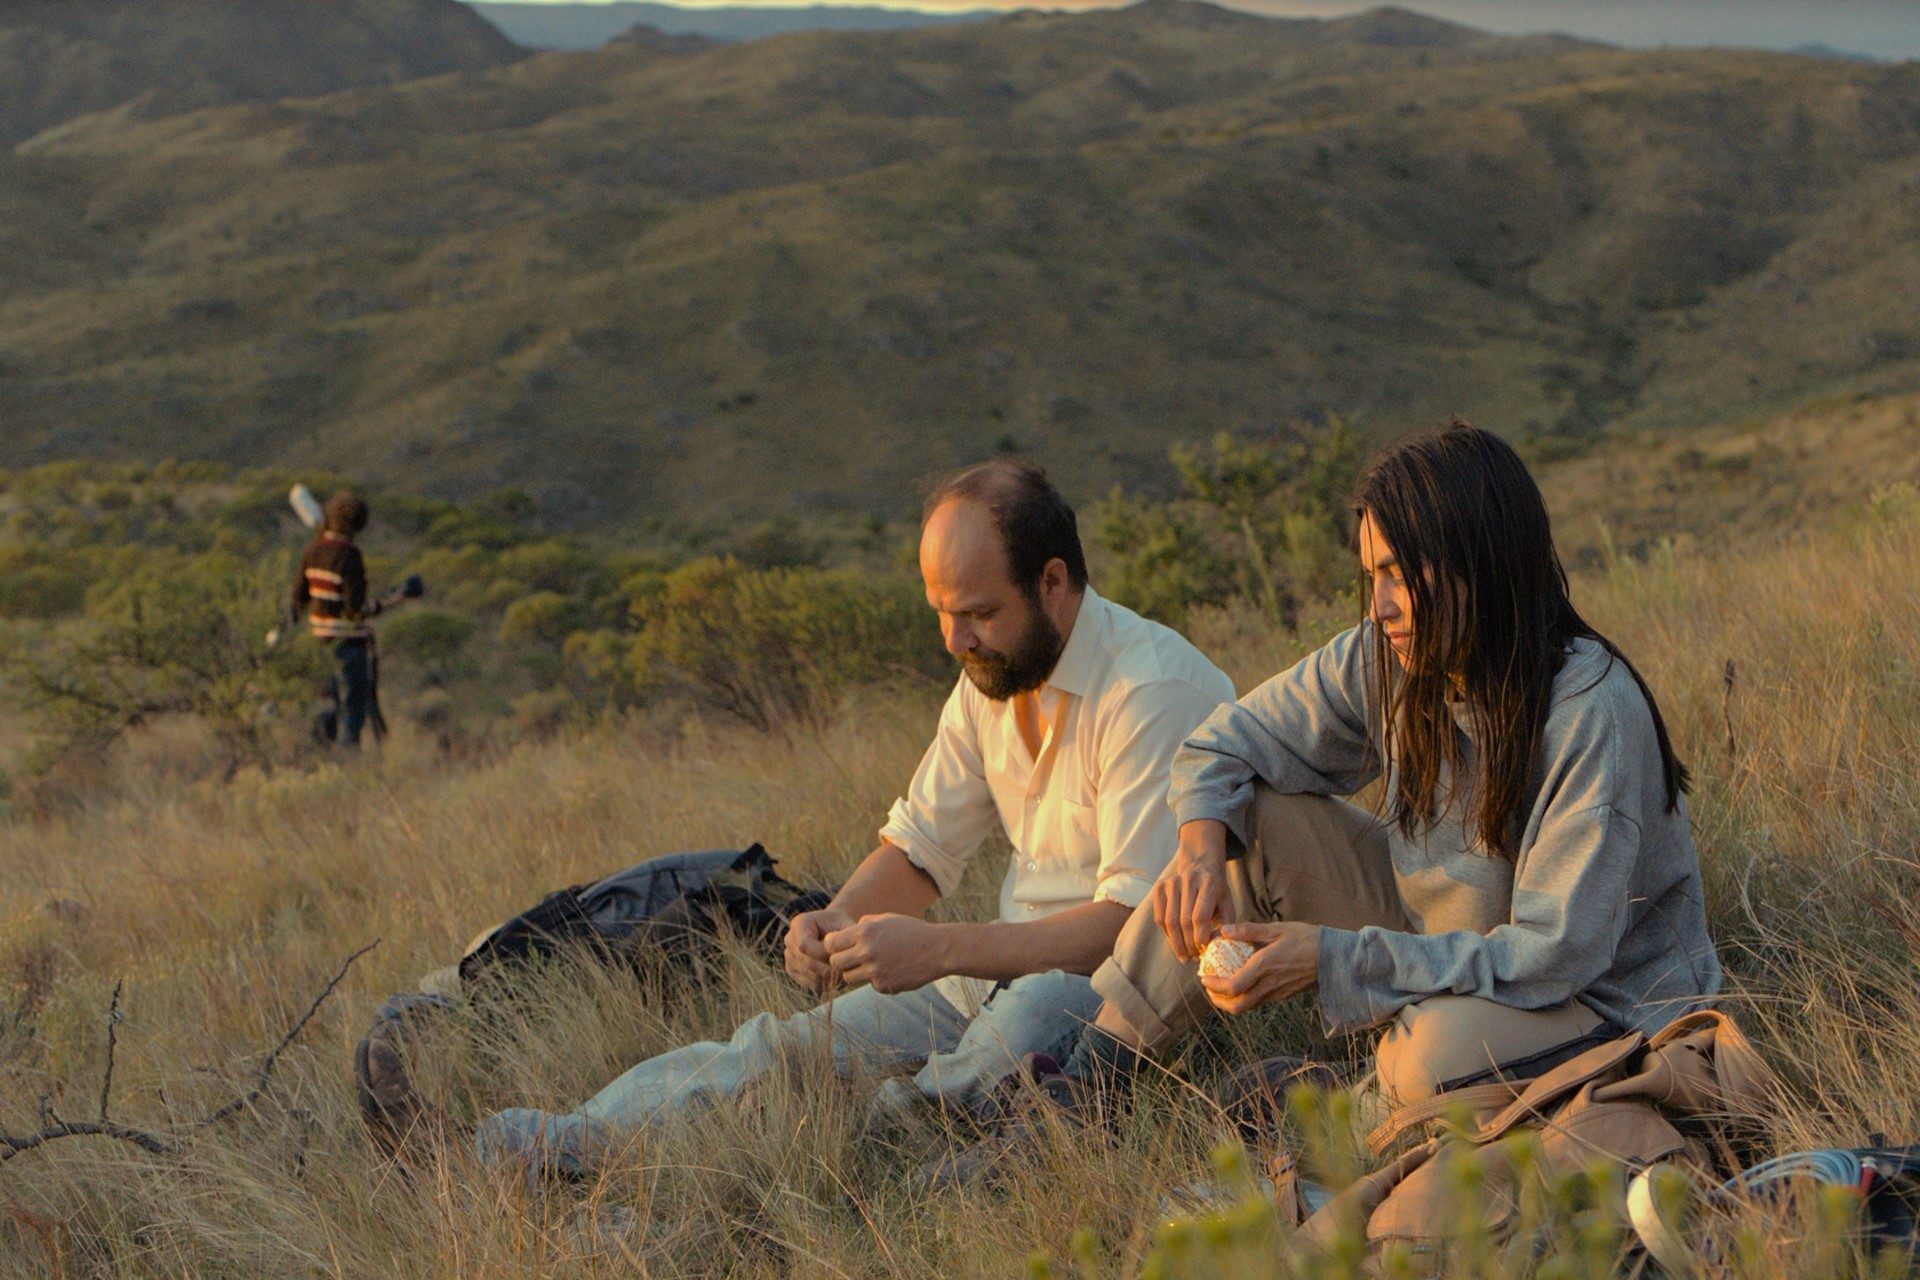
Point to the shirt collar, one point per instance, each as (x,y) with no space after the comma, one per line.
(1073,673)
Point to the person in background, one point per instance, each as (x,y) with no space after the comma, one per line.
(331,591)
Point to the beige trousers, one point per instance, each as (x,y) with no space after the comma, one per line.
(1323,861)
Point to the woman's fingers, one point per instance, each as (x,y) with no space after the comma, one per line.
(1202,916)
(1259,934)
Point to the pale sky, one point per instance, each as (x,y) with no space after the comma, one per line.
(1881,28)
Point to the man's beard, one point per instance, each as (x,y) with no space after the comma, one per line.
(1002,675)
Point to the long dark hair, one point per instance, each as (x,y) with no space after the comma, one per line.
(1491,622)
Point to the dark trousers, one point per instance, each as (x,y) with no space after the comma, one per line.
(352,693)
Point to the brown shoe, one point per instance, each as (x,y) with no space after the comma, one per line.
(1254,1097)
(399,1118)
(1030,1107)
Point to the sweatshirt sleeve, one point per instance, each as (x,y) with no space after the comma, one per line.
(1573,893)
(1304,732)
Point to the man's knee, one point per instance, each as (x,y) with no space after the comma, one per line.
(767,1041)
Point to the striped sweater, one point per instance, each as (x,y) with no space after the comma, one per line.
(332,588)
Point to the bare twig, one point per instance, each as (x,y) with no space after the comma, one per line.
(266,1068)
(113,1025)
(52,1127)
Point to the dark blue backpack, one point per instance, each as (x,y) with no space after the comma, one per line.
(669,905)
(672,906)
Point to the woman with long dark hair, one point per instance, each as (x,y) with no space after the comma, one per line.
(1523,886)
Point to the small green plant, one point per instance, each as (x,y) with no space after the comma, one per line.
(773,645)
(1262,520)
(182,638)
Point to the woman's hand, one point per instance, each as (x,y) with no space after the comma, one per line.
(1287,963)
(1190,897)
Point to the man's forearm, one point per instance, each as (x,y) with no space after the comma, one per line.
(1076,940)
(886,881)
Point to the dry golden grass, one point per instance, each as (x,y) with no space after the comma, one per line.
(225,909)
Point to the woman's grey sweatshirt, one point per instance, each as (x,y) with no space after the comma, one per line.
(1602,903)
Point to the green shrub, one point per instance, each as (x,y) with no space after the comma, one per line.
(41,591)
(181,637)
(547,566)
(1262,520)
(777,644)
(545,618)
(462,528)
(427,634)
(600,667)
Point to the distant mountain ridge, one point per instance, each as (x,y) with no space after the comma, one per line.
(64,58)
(588,26)
(654,283)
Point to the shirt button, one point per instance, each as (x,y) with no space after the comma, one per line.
(1033,866)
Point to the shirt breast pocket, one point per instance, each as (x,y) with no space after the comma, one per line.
(1081,835)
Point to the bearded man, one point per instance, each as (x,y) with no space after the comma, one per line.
(1062,728)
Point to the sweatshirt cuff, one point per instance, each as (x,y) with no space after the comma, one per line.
(1345,994)
(1218,809)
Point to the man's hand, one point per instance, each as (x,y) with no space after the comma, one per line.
(893,953)
(807,961)
(1190,897)
(1287,963)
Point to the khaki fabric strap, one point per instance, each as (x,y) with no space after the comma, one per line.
(1476,1100)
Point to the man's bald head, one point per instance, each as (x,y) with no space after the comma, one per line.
(1033,523)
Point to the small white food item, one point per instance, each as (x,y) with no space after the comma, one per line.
(1223,956)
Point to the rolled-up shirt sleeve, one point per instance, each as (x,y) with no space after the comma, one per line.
(1137,830)
(1304,732)
(948,809)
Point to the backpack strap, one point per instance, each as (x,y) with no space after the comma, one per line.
(1476,1099)
(1540,1095)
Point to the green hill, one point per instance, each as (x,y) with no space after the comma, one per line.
(62,58)
(547,25)
(789,276)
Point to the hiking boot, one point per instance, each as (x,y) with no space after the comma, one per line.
(1040,1100)
(401,1121)
(1254,1097)
(899,1110)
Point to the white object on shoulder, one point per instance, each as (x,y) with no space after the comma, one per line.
(1223,956)
(306,506)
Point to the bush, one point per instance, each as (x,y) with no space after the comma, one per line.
(545,618)
(776,644)
(181,637)
(547,566)
(1262,520)
(41,591)
(600,667)
(461,528)
(426,634)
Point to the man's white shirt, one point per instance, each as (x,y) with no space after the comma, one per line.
(1088,816)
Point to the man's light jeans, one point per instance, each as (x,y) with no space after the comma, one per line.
(956,1063)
